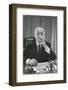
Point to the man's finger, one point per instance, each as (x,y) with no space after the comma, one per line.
(34,60)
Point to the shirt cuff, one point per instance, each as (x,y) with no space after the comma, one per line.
(27,61)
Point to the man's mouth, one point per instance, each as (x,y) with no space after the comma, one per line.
(39,40)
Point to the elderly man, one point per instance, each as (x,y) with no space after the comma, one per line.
(40,51)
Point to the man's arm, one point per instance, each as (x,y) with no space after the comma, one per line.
(48,50)
(25,54)
(28,60)
(52,55)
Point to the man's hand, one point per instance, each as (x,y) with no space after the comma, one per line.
(32,62)
(47,49)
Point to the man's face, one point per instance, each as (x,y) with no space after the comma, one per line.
(40,35)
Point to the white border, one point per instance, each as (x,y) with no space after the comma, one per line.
(39,77)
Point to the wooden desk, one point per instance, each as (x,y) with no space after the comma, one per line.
(45,67)
(42,68)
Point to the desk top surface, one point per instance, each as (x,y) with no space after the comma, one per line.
(45,67)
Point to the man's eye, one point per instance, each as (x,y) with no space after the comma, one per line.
(41,34)
(37,33)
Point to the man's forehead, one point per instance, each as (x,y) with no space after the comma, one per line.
(39,29)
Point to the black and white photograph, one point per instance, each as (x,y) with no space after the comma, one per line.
(40,44)
(37,44)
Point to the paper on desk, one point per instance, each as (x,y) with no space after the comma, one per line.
(42,67)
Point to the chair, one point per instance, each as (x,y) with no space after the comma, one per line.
(28,41)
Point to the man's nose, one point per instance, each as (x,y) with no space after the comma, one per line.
(39,35)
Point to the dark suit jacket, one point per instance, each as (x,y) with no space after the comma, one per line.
(30,51)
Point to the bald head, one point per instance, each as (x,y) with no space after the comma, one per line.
(39,34)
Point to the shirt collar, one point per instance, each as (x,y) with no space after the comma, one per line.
(37,43)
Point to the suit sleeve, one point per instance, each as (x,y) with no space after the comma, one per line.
(26,53)
(52,55)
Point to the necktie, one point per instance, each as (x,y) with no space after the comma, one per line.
(39,48)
